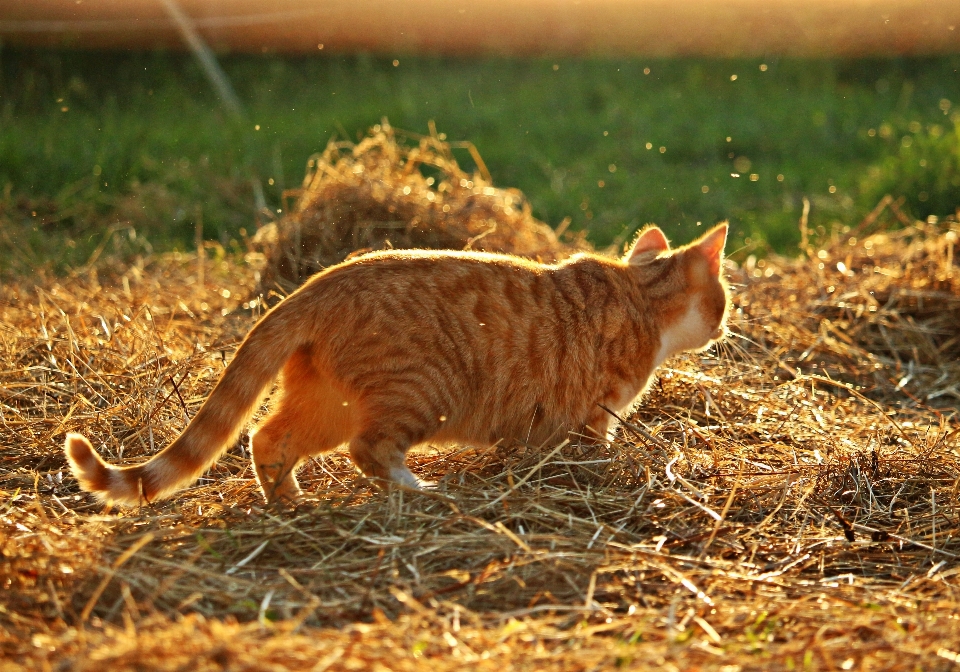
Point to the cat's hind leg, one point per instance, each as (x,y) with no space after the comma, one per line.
(275,462)
(312,416)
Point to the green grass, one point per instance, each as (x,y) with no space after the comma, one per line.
(146,132)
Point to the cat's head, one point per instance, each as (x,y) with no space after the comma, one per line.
(688,284)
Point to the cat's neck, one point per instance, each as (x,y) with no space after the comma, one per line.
(687,332)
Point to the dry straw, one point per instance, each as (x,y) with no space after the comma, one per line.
(399,190)
(789,501)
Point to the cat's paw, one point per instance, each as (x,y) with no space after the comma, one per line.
(405,477)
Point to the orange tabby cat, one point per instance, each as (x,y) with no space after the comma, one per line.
(397,348)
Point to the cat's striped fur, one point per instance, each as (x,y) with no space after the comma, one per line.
(393,349)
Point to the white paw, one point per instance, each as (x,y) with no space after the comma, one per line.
(404,476)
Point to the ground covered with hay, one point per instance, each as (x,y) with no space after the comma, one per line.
(788,501)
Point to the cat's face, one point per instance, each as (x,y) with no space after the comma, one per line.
(703,262)
(707,285)
(692,277)
(710,299)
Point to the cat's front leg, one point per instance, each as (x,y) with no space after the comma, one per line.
(600,426)
(381,454)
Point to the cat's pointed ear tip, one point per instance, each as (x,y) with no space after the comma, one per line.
(651,231)
(651,238)
(717,236)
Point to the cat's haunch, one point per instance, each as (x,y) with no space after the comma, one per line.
(393,349)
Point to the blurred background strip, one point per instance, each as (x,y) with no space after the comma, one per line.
(503,27)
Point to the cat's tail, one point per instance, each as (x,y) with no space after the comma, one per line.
(216,425)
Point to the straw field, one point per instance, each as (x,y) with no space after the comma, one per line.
(787,501)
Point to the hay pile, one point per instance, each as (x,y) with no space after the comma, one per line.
(788,502)
(881,310)
(385,192)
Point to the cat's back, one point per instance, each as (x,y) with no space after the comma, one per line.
(485,284)
(475,299)
(429,266)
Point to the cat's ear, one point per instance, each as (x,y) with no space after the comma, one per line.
(650,239)
(711,246)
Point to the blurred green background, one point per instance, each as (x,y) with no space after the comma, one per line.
(89,140)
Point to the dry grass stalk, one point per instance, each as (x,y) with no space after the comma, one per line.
(386,192)
(789,500)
